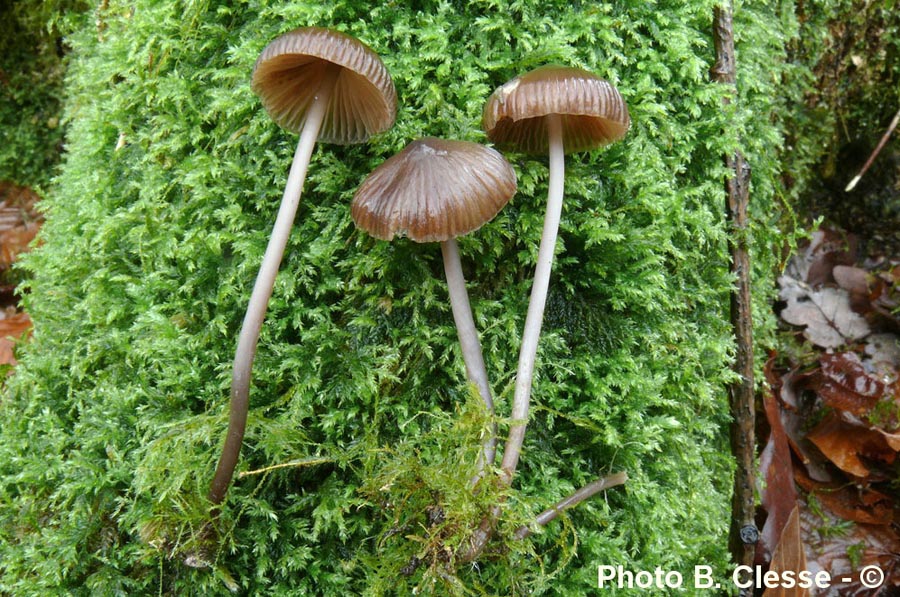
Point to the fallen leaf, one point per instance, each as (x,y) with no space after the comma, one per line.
(19,221)
(16,240)
(815,262)
(883,352)
(825,313)
(849,501)
(778,495)
(892,439)
(829,543)
(845,444)
(794,416)
(789,556)
(855,280)
(11,328)
(842,382)
(851,278)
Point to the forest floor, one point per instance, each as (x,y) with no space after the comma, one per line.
(830,422)
(19,224)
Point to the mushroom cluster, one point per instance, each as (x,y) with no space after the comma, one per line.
(328,86)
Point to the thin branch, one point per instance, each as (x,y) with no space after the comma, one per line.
(741,392)
(586,492)
(875,153)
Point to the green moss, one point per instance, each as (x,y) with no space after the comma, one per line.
(113,421)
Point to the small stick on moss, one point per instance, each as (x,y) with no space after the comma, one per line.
(741,392)
(292,464)
(586,492)
(875,153)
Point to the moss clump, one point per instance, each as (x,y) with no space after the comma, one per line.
(157,223)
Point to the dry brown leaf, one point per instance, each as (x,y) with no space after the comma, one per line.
(843,443)
(829,544)
(815,263)
(848,501)
(892,439)
(794,416)
(842,382)
(19,221)
(789,556)
(779,495)
(16,240)
(854,280)
(11,328)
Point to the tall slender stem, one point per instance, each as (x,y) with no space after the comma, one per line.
(468,338)
(262,290)
(535,317)
(533,321)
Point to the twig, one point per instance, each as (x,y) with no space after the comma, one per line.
(576,498)
(875,153)
(741,392)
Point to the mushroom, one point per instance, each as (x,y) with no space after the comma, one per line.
(560,109)
(437,190)
(324,85)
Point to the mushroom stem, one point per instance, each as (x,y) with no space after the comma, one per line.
(468,339)
(588,491)
(535,316)
(530,335)
(262,290)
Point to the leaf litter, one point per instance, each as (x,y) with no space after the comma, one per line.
(20,222)
(829,469)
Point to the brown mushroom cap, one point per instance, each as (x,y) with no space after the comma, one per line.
(434,190)
(289,70)
(593,112)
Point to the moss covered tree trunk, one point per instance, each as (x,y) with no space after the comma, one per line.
(363,434)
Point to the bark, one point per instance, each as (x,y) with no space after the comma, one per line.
(742,535)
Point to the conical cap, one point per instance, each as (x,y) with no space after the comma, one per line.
(434,190)
(289,71)
(593,111)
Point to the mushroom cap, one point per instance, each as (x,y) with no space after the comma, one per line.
(288,73)
(434,190)
(593,111)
